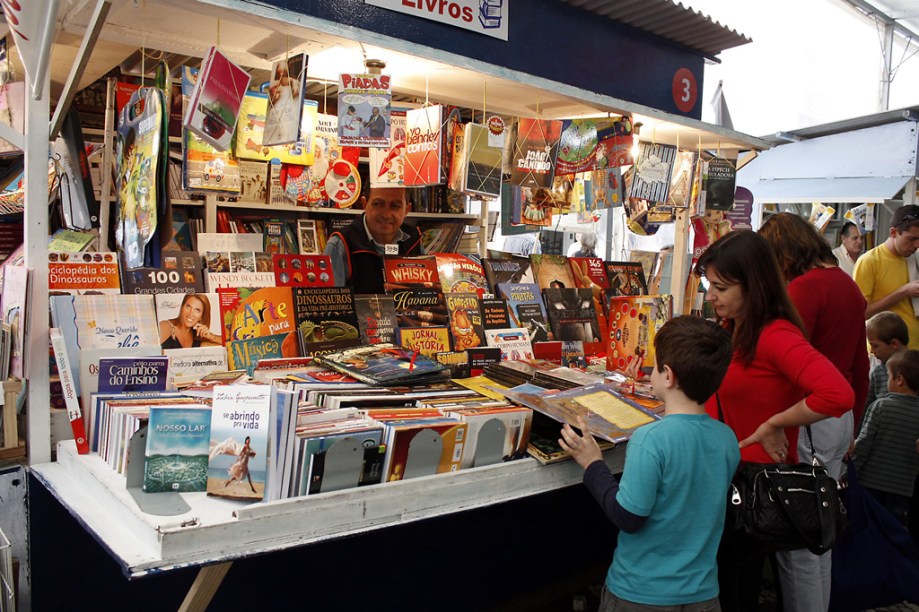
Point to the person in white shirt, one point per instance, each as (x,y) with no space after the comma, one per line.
(851,247)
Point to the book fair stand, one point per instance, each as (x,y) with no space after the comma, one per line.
(600,68)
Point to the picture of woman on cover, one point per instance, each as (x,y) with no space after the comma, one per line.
(191,327)
(283,120)
(240,468)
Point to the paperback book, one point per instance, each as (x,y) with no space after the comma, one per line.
(189,365)
(482,167)
(511,270)
(216,100)
(535,152)
(428,341)
(494,314)
(423,147)
(363,114)
(387,165)
(245,354)
(285,100)
(460,274)
(466,325)
(303,271)
(83,273)
(325,316)
(204,167)
(420,307)
(178,441)
(633,325)
(423,447)
(411,272)
(189,320)
(251,132)
(625,278)
(653,170)
(513,342)
(250,313)
(238,465)
(552,271)
(588,272)
(376,318)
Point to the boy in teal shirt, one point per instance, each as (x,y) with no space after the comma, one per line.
(670,502)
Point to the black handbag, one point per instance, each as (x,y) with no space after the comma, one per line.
(785,507)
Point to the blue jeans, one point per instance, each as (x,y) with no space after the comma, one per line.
(611,603)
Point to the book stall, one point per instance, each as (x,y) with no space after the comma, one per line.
(211,393)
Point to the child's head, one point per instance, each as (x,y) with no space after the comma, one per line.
(903,371)
(887,334)
(698,353)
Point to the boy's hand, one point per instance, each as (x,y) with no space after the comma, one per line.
(584,448)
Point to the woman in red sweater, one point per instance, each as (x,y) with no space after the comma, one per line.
(776,383)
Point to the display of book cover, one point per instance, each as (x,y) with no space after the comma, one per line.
(381,364)
(535,152)
(363,114)
(633,324)
(285,100)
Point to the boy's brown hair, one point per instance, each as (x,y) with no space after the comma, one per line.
(905,364)
(887,326)
(699,353)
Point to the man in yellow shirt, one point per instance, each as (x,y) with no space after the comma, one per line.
(882,272)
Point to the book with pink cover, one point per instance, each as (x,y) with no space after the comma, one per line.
(216,100)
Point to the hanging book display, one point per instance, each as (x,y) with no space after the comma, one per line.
(423,144)
(684,171)
(140,150)
(535,152)
(363,110)
(251,132)
(285,100)
(614,143)
(577,150)
(204,167)
(718,179)
(482,165)
(332,183)
(215,103)
(387,165)
(653,169)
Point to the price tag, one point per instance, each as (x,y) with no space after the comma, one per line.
(391,249)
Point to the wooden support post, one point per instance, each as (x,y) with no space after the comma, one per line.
(205,585)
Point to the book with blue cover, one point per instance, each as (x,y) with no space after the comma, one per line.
(124,375)
(178,441)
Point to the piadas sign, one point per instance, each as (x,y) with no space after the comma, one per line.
(487,17)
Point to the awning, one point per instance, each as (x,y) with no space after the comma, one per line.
(867,165)
(848,190)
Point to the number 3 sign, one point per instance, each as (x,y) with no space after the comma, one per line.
(685,91)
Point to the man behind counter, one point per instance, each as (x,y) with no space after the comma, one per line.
(357,252)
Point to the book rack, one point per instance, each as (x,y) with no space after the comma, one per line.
(11,447)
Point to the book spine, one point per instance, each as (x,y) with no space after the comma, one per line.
(70,392)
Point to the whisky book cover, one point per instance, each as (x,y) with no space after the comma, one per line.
(238,465)
(376,318)
(178,442)
(405,272)
(466,323)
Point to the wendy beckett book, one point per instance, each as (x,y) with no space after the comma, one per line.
(178,441)
(238,466)
(216,100)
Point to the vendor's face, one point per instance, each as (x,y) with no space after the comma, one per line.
(726,297)
(385,211)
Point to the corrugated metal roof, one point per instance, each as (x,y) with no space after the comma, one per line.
(670,20)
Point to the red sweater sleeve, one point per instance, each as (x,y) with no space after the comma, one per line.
(825,390)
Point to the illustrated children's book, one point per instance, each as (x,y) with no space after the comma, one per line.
(325,317)
(285,100)
(245,354)
(251,130)
(609,415)
(238,465)
(466,324)
(535,152)
(250,313)
(525,304)
(387,165)
(633,324)
(460,274)
(178,441)
(552,271)
(588,272)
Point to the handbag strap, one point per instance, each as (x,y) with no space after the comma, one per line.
(807,428)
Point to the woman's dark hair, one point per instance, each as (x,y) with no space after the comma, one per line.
(797,245)
(744,257)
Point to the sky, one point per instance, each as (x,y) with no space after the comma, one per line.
(810,62)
